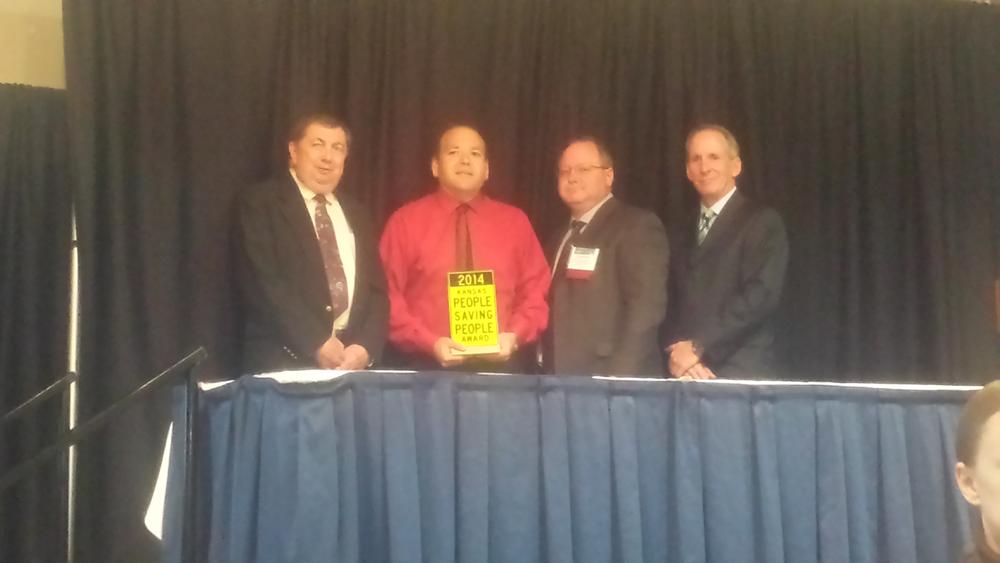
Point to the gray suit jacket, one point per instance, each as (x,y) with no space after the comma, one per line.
(724,293)
(287,313)
(608,324)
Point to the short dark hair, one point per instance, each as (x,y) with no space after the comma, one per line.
(299,126)
(734,146)
(455,125)
(981,407)
(602,149)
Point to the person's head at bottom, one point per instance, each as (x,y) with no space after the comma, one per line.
(978,468)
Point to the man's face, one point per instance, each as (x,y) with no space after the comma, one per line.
(460,165)
(711,165)
(980,484)
(318,157)
(583,179)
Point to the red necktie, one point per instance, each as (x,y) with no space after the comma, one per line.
(463,240)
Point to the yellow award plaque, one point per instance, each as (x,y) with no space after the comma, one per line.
(472,311)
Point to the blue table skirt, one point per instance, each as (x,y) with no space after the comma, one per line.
(434,467)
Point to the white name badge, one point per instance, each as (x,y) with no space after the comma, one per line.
(582,262)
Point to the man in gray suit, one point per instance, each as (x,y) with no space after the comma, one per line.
(728,270)
(609,275)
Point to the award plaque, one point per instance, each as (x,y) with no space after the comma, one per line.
(472,311)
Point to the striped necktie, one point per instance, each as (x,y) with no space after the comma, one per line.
(707,218)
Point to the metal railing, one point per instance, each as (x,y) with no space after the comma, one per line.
(184,367)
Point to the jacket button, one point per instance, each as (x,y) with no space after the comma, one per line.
(329,309)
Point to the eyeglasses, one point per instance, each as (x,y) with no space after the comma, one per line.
(566,172)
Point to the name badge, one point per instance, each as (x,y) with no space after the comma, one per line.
(581,263)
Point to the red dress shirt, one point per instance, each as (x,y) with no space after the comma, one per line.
(418,251)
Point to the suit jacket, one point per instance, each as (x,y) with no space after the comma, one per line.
(287,309)
(609,323)
(724,292)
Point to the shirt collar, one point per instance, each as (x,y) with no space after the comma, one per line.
(308,194)
(449,203)
(587,217)
(717,206)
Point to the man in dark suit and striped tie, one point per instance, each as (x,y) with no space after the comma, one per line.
(728,270)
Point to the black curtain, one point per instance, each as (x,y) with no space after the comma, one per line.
(870,125)
(35,239)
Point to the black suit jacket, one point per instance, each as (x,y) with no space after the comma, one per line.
(609,324)
(724,293)
(287,310)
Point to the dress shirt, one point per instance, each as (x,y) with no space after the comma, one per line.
(418,252)
(345,242)
(586,218)
(717,207)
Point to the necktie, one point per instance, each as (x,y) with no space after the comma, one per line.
(707,218)
(463,240)
(336,280)
(567,249)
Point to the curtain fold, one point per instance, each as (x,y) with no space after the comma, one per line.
(35,243)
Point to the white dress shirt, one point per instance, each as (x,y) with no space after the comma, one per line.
(717,207)
(345,242)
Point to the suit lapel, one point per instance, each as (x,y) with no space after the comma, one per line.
(296,216)
(590,236)
(722,228)
(594,233)
(553,246)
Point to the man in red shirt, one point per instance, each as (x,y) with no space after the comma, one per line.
(458,228)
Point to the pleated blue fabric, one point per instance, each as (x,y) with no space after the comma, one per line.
(439,467)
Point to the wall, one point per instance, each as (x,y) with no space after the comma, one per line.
(31,43)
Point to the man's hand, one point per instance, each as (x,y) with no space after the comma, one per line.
(698,371)
(508,345)
(685,363)
(443,348)
(330,354)
(355,357)
(682,357)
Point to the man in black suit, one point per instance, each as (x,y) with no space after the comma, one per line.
(313,289)
(728,270)
(609,281)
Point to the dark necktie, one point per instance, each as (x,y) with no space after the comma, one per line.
(463,240)
(574,233)
(336,280)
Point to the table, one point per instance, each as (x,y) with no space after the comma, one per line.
(439,467)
